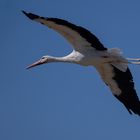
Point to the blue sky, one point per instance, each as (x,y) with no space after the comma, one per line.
(63,101)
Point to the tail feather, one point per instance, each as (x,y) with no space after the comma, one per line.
(115,51)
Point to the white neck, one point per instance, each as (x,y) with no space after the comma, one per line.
(74,57)
(60,59)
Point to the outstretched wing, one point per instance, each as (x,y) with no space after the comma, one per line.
(78,36)
(122,86)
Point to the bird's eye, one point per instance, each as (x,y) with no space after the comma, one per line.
(43,58)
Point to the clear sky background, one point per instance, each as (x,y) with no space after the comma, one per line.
(64,101)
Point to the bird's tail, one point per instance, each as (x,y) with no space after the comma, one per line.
(117,52)
(119,62)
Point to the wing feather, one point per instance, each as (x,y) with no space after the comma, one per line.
(78,36)
(122,86)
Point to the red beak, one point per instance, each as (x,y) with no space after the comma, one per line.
(34,64)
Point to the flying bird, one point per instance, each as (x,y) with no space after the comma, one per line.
(89,51)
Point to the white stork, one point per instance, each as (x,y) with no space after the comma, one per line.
(89,51)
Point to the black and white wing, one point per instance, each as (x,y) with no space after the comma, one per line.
(121,83)
(78,36)
(122,86)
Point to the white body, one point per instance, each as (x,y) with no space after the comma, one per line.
(88,51)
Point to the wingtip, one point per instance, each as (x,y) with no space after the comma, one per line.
(30,15)
(25,13)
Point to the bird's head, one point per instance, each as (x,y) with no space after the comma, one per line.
(43,60)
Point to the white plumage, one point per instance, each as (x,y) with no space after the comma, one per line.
(88,50)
